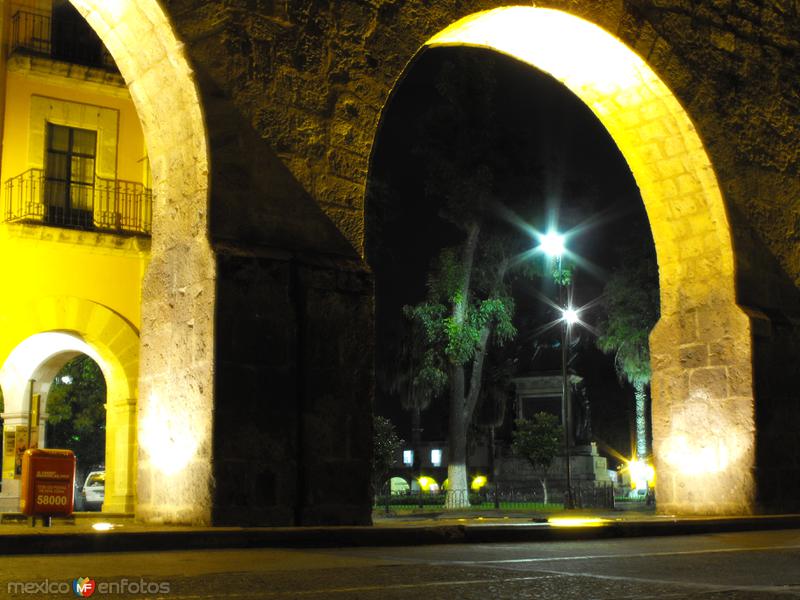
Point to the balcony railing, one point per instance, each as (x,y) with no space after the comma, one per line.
(109,205)
(68,38)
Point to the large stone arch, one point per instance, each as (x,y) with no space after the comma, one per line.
(291,94)
(702,360)
(41,336)
(176,381)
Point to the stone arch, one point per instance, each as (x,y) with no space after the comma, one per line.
(315,104)
(701,354)
(178,293)
(49,332)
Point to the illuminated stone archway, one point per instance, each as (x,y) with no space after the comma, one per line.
(231,448)
(321,123)
(178,293)
(40,338)
(703,407)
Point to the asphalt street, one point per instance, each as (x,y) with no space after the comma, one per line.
(728,566)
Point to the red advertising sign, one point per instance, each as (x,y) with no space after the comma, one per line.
(48,482)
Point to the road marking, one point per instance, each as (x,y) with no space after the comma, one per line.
(363,588)
(614,556)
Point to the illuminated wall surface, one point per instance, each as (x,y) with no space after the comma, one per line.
(174,413)
(85,285)
(254,371)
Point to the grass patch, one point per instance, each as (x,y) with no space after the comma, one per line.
(482,506)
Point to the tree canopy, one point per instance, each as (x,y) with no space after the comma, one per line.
(76,415)
(538,440)
(385,445)
(631,309)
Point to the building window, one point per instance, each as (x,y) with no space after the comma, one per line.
(436,457)
(408,458)
(69,176)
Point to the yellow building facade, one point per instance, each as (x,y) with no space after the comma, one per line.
(74,233)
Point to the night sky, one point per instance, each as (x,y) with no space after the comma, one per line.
(574,173)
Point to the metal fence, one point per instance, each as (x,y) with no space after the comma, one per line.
(504,496)
(68,38)
(108,205)
(584,495)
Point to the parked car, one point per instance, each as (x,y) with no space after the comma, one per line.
(93,492)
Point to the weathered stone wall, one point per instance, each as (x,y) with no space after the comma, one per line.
(292,93)
(293,411)
(311,79)
(176,387)
(734,67)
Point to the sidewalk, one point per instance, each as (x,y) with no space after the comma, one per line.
(407,530)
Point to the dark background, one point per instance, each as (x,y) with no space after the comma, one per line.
(579,182)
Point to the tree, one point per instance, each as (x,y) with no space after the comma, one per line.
(76,416)
(497,391)
(472,169)
(538,441)
(416,394)
(631,305)
(468,307)
(386,444)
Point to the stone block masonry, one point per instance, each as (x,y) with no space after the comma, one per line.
(259,119)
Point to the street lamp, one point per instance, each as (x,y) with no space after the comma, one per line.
(552,244)
(570,315)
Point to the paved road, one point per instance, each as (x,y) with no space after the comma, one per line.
(756,565)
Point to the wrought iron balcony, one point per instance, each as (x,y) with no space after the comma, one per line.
(110,205)
(65,37)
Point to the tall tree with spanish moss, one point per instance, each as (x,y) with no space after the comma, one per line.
(469,306)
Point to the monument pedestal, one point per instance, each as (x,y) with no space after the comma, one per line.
(587,465)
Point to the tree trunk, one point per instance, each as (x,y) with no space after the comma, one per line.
(493,467)
(544,489)
(416,429)
(641,421)
(416,439)
(457,489)
(462,406)
(463,399)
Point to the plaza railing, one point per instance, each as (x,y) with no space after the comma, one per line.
(503,497)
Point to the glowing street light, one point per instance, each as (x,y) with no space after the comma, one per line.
(569,315)
(641,473)
(552,244)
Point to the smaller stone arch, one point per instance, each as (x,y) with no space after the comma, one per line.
(40,337)
(399,485)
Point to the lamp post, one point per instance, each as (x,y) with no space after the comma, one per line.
(553,245)
(569,316)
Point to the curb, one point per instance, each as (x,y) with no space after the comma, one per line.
(333,537)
